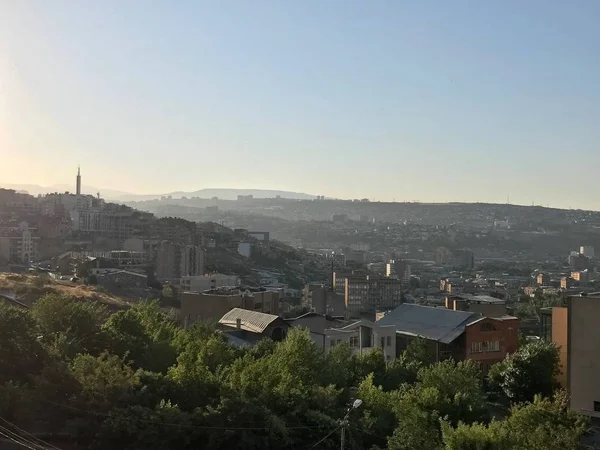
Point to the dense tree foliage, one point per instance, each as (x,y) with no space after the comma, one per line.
(532,370)
(544,424)
(134,379)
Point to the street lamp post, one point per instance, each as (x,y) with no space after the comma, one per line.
(344,423)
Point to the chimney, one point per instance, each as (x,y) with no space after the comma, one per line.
(238,323)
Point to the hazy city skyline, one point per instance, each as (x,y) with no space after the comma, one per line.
(428,101)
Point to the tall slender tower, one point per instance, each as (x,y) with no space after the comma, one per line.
(78,181)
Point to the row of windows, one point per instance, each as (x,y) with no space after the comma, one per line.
(486,346)
(354,341)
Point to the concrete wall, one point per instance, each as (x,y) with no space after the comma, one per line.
(484,308)
(196,307)
(488,309)
(560,338)
(583,347)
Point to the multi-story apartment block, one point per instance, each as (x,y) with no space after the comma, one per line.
(365,295)
(192,260)
(574,329)
(174,261)
(107,222)
(18,244)
(399,269)
(464,259)
(338,259)
(10,200)
(168,261)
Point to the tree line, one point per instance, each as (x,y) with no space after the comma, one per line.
(135,379)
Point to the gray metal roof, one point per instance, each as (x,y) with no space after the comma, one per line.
(437,324)
(253,321)
(479,298)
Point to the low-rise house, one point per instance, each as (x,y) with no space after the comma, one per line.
(213,304)
(454,334)
(252,326)
(364,337)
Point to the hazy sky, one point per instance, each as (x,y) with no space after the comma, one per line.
(412,100)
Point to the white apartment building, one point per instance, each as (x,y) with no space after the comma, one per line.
(104,222)
(192,260)
(18,244)
(201,283)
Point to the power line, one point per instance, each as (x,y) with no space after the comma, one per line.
(29,434)
(154,422)
(334,430)
(21,439)
(18,442)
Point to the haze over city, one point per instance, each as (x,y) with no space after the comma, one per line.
(430,101)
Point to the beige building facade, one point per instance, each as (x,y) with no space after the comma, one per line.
(575,330)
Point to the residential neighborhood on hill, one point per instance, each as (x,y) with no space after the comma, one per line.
(367,304)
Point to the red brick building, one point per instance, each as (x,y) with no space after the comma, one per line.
(488,340)
(455,334)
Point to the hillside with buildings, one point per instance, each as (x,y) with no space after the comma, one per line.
(131,252)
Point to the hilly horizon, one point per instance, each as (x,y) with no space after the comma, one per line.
(123,196)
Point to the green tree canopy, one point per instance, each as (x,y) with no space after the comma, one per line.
(544,424)
(532,370)
(70,326)
(21,352)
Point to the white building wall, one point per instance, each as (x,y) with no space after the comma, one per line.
(244,249)
(202,283)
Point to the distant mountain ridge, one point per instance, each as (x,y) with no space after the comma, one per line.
(121,196)
(231,194)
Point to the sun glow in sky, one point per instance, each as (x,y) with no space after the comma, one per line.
(406,100)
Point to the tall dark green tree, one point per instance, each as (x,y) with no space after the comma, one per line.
(21,351)
(532,370)
(70,326)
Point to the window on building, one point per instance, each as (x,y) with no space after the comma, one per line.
(493,346)
(332,343)
(597,406)
(487,327)
(476,347)
(353,341)
(388,341)
(339,341)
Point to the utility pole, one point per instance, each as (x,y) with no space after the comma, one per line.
(344,422)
